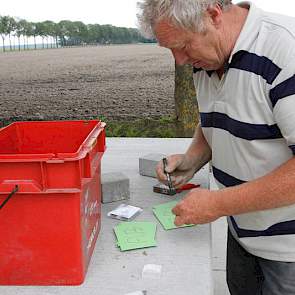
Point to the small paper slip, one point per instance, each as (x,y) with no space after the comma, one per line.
(165,215)
(125,212)
(135,235)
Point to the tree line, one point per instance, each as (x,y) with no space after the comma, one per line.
(64,33)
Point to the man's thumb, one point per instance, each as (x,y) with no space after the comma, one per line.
(172,164)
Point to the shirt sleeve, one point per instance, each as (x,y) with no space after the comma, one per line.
(282,96)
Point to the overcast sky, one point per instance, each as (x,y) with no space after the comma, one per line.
(115,12)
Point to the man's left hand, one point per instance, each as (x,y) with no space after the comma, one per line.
(198,207)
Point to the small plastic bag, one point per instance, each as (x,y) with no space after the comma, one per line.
(152,271)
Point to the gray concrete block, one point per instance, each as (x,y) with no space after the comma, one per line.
(148,163)
(114,187)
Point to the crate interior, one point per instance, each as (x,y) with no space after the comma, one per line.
(44,137)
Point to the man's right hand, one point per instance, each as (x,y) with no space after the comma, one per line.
(181,168)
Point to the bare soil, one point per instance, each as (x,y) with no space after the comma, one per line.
(124,82)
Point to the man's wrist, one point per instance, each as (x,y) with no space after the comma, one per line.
(218,203)
(196,161)
(192,161)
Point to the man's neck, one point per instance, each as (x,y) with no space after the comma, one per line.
(235,18)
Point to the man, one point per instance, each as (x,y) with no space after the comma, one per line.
(244,68)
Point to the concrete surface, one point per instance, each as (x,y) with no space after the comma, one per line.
(185,254)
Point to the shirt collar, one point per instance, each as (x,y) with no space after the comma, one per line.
(250,29)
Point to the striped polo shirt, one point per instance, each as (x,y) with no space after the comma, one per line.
(248,119)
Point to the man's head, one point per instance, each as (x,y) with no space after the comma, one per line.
(186,14)
(194,30)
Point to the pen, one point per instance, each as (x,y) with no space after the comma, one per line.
(165,163)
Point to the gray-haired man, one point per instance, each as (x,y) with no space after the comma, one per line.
(244,66)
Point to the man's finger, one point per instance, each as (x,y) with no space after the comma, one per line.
(189,222)
(179,221)
(172,164)
(176,210)
(179,181)
(160,172)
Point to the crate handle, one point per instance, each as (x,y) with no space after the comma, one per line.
(93,139)
(92,142)
(15,190)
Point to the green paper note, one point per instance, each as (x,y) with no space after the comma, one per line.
(135,235)
(166,216)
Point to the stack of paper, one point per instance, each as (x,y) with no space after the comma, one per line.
(125,212)
(165,215)
(135,235)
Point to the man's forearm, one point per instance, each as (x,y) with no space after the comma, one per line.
(274,190)
(199,151)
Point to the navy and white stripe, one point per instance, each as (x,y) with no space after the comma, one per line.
(282,90)
(226,179)
(292,147)
(282,228)
(260,65)
(240,129)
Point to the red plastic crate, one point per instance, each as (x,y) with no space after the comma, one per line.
(49,227)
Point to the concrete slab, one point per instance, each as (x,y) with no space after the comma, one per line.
(220,287)
(185,254)
(114,187)
(148,163)
(219,239)
(219,236)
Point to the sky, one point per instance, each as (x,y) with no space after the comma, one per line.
(115,12)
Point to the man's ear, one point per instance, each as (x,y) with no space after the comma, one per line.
(215,13)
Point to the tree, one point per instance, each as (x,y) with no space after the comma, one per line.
(80,33)
(94,34)
(62,32)
(21,30)
(29,31)
(4,20)
(56,31)
(34,33)
(107,34)
(11,26)
(48,30)
(186,106)
(66,31)
(41,31)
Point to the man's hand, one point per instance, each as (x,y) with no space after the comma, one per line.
(198,207)
(180,167)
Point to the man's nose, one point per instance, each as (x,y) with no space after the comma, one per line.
(180,57)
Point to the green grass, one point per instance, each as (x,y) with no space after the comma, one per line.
(165,127)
